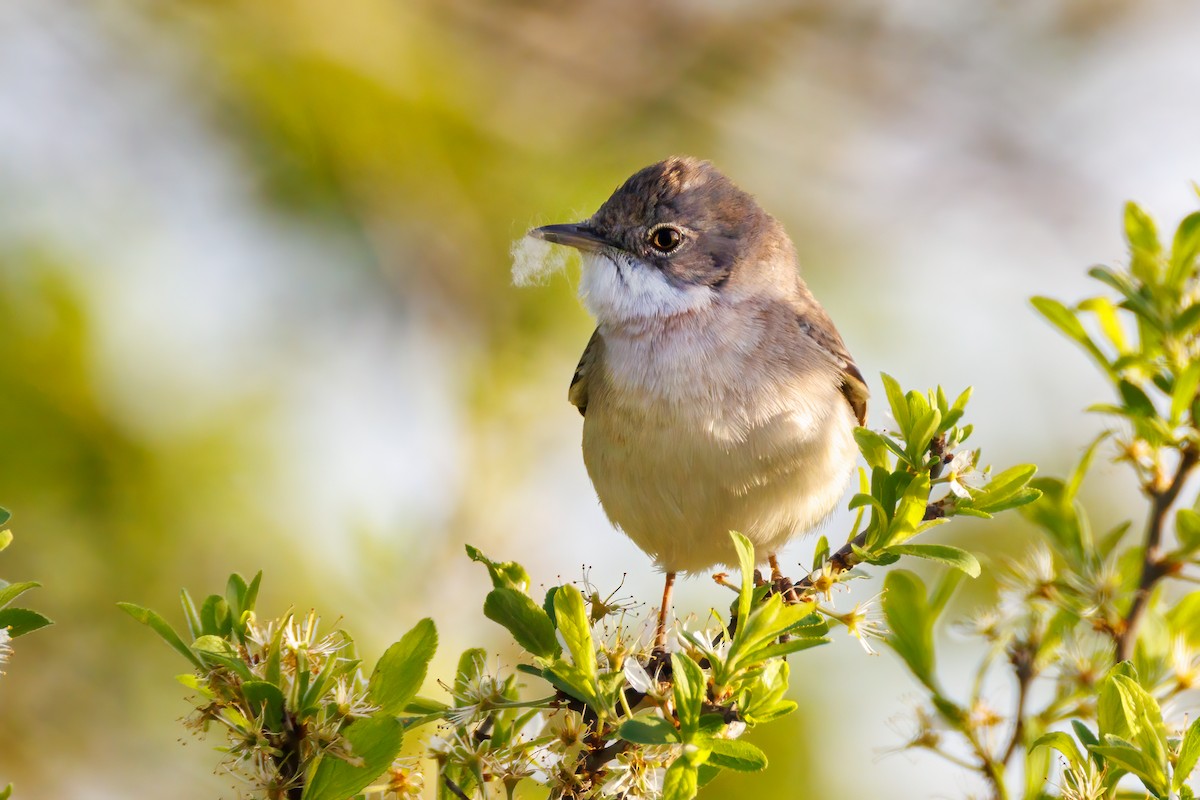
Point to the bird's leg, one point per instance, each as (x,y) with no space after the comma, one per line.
(781,583)
(660,633)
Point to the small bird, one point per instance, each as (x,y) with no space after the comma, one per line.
(716,393)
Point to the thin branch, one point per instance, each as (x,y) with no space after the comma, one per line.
(1153,564)
(1022,661)
(454,788)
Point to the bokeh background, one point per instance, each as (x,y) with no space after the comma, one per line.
(255,309)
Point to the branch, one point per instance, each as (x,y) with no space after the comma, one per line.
(845,559)
(1153,564)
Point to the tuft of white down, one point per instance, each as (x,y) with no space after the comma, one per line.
(617,288)
(534,260)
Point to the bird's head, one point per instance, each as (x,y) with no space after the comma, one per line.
(674,237)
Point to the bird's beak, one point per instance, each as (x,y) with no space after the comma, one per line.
(576,235)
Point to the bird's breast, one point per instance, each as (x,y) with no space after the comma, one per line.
(710,427)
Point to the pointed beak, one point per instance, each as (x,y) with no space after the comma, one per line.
(579,236)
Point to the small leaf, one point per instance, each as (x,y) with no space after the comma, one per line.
(570,611)
(907,611)
(736,754)
(401,670)
(6,538)
(219,650)
(1189,754)
(648,729)
(745,553)
(691,688)
(875,448)
(943,553)
(1143,242)
(14,590)
(265,701)
(1184,251)
(160,626)
(897,402)
(1066,321)
(1064,744)
(1184,393)
(5,515)
(21,621)
(1135,399)
(1135,761)
(505,575)
(680,781)
(527,623)
(470,667)
(374,740)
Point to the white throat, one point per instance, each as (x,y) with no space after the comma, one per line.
(617,288)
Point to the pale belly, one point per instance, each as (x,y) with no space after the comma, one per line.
(677,472)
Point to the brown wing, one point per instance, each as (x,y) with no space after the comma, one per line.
(826,337)
(578,393)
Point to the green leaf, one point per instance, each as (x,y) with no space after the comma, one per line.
(6,792)
(1189,754)
(1065,320)
(1184,392)
(1064,744)
(680,781)
(897,402)
(923,431)
(648,729)
(266,701)
(907,611)
(745,553)
(875,448)
(374,740)
(219,650)
(6,538)
(570,611)
(1143,241)
(527,623)
(505,575)
(735,754)
(943,553)
(215,618)
(1135,761)
(1135,399)
(14,590)
(995,496)
(160,626)
(401,670)
(1128,711)
(691,688)
(910,512)
(21,621)
(5,515)
(1187,530)
(1184,250)
(470,667)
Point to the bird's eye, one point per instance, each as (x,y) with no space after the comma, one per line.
(665,238)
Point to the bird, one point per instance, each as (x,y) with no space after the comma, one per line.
(716,393)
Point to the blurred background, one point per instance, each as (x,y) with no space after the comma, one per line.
(255,309)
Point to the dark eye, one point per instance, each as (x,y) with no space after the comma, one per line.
(664,238)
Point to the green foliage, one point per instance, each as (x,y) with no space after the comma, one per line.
(613,717)
(15,622)
(1086,628)
(299,717)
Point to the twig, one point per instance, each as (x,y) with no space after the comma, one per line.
(1022,661)
(845,559)
(454,788)
(1153,564)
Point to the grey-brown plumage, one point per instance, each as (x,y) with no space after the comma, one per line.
(717,394)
